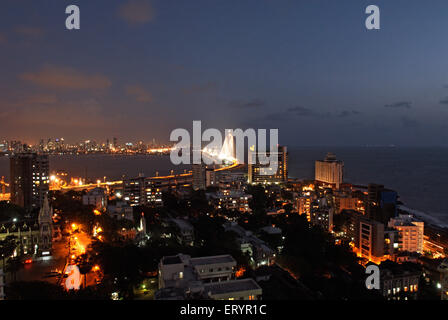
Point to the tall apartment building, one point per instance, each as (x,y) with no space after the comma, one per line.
(411,232)
(199,176)
(303,205)
(276,172)
(141,191)
(329,171)
(29,179)
(322,217)
(381,203)
(370,239)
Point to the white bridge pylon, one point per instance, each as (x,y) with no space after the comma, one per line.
(228,148)
(227,152)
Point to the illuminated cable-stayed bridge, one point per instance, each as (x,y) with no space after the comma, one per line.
(225,155)
(227,152)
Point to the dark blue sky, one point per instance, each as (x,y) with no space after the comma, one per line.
(139,69)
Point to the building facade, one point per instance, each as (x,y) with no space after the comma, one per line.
(381,203)
(29,179)
(32,236)
(142,191)
(183,277)
(96,197)
(411,232)
(198,176)
(330,171)
(276,172)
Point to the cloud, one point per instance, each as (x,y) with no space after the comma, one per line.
(444,101)
(30,31)
(307,112)
(41,99)
(139,93)
(255,103)
(84,113)
(137,12)
(303,111)
(347,113)
(65,78)
(401,104)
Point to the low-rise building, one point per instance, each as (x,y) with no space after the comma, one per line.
(121,210)
(399,281)
(184,232)
(259,251)
(32,236)
(244,289)
(182,277)
(230,200)
(96,197)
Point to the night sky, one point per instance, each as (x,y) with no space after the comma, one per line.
(139,69)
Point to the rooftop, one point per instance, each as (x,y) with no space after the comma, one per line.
(231,286)
(212,260)
(171,260)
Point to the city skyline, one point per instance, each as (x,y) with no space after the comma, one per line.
(144,68)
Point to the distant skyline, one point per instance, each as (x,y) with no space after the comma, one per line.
(138,69)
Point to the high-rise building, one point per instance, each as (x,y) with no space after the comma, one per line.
(411,232)
(276,172)
(199,176)
(142,191)
(381,203)
(330,171)
(303,205)
(29,179)
(370,239)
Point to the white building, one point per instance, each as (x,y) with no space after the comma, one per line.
(206,277)
(329,171)
(96,197)
(259,252)
(121,210)
(184,232)
(411,232)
